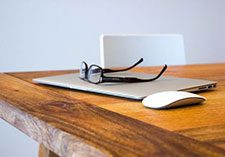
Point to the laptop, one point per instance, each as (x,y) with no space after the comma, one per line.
(123,50)
(136,91)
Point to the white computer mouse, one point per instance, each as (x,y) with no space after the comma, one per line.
(170,99)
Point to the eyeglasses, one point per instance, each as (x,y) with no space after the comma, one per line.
(95,74)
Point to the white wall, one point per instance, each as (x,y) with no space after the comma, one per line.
(56,34)
(59,34)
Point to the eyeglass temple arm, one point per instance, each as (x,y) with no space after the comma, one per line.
(132,79)
(161,72)
(111,70)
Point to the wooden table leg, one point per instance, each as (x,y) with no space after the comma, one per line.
(45,152)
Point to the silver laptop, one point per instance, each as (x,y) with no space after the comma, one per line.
(136,91)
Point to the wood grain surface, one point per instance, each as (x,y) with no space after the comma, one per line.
(211,134)
(76,123)
(174,119)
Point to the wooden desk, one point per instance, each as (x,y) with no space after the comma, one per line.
(84,124)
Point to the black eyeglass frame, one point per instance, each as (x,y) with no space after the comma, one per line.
(86,69)
(104,78)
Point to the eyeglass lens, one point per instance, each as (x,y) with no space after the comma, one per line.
(83,70)
(94,74)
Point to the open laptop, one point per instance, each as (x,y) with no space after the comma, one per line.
(123,50)
(136,91)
